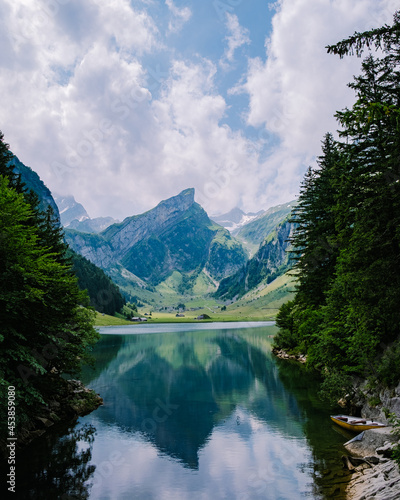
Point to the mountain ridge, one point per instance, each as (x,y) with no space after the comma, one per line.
(270,261)
(235,218)
(73,215)
(70,209)
(253,234)
(176,235)
(35,183)
(129,232)
(89,276)
(170,253)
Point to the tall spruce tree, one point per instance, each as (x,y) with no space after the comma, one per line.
(314,241)
(346,309)
(367,214)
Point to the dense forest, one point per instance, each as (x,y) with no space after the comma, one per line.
(104,295)
(346,248)
(46,322)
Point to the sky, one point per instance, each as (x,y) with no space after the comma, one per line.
(124,103)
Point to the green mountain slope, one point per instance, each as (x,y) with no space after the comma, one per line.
(175,238)
(34,183)
(270,261)
(104,294)
(264,301)
(252,234)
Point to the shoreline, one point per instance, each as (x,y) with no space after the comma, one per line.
(282,354)
(379,476)
(105,320)
(72,400)
(163,328)
(198,322)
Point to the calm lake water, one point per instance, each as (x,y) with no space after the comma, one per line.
(191,412)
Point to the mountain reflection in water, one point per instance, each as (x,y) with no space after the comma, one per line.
(207,414)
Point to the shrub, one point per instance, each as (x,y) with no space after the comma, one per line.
(336,385)
(395,421)
(388,367)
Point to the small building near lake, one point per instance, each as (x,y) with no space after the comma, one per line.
(203,316)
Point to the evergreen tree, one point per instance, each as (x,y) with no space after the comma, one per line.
(386,38)
(5,168)
(103,293)
(367,214)
(45,325)
(347,245)
(314,242)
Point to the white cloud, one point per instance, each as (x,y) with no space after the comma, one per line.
(85,111)
(296,90)
(180,16)
(134,31)
(197,148)
(75,94)
(83,116)
(238,36)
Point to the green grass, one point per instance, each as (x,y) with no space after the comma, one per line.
(106,320)
(260,304)
(190,317)
(264,302)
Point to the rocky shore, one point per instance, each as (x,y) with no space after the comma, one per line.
(376,476)
(380,480)
(70,400)
(374,402)
(280,353)
(373,473)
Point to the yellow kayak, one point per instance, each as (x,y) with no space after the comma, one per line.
(355,424)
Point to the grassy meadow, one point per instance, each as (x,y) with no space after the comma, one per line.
(260,304)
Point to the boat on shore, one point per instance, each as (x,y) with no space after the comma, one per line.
(355,424)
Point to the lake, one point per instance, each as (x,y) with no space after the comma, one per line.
(202,411)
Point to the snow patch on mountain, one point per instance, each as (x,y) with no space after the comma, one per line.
(235,219)
(74,216)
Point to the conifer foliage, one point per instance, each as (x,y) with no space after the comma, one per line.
(46,327)
(104,294)
(346,248)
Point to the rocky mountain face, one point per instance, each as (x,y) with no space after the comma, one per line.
(270,261)
(70,210)
(74,216)
(177,235)
(253,233)
(34,183)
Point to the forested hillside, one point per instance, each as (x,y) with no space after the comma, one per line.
(104,294)
(46,326)
(346,314)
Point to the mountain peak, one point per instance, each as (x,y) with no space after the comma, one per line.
(70,209)
(187,192)
(176,235)
(235,215)
(183,200)
(235,218)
